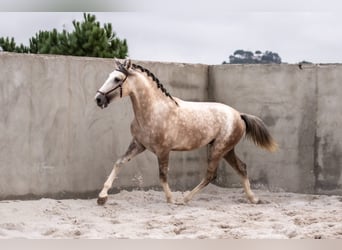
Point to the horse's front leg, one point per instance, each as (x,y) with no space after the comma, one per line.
(163,162)
(133,149)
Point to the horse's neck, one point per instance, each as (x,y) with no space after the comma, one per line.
(147,100)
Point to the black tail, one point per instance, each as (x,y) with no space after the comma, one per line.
(257,132)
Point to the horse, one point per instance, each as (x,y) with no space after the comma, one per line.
(163,123)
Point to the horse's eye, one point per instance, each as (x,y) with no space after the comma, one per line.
(117,79)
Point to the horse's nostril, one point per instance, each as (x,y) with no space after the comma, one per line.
(101,100)
(98,100)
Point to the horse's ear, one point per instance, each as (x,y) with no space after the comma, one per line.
(117,62)
(127,63)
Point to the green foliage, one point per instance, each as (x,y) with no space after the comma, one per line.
(243,57)
(87,39)
(8,44)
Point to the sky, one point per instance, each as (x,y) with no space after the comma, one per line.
(205,35)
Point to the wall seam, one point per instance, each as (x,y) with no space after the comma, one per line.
(316,166)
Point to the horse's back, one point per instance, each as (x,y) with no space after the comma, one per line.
(209,111)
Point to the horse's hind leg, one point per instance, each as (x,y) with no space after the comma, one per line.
(210,176)
(241,169)
(133,149)
(213,160)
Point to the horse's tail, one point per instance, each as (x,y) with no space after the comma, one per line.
(257,132)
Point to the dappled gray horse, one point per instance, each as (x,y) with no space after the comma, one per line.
(163,123)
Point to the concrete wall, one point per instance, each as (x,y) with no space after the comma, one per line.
(56,142)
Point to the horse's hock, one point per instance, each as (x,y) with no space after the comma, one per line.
(55,142)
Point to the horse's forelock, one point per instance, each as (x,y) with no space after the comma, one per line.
(122,68)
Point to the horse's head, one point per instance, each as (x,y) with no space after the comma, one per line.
(114,87)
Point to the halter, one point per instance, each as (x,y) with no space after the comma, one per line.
(123,71)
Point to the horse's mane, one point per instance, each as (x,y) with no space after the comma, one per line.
(155,79)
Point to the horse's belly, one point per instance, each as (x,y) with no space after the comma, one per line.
(189,140)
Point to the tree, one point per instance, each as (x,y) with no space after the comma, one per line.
(8,44)
(243,57)
(270,57)
(87,39)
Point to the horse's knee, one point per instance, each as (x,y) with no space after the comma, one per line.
(214,176)
(163,174)
(212,170)
(162,177)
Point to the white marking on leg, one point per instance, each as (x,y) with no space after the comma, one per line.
(109,182)
(133,149)
(250,195)
(167,191)
(198,188)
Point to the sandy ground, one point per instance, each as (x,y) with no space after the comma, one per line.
(215,213)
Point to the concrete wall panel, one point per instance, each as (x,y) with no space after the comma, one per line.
(283,96)
(328,170)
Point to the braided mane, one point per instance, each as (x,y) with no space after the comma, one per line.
(155,79)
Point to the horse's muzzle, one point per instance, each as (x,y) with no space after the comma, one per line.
(101,100)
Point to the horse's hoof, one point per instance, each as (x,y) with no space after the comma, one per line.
(102,200)
(180,203)
(255,200)
(170,202)
(263,202)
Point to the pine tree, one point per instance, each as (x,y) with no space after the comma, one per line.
(87,39)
